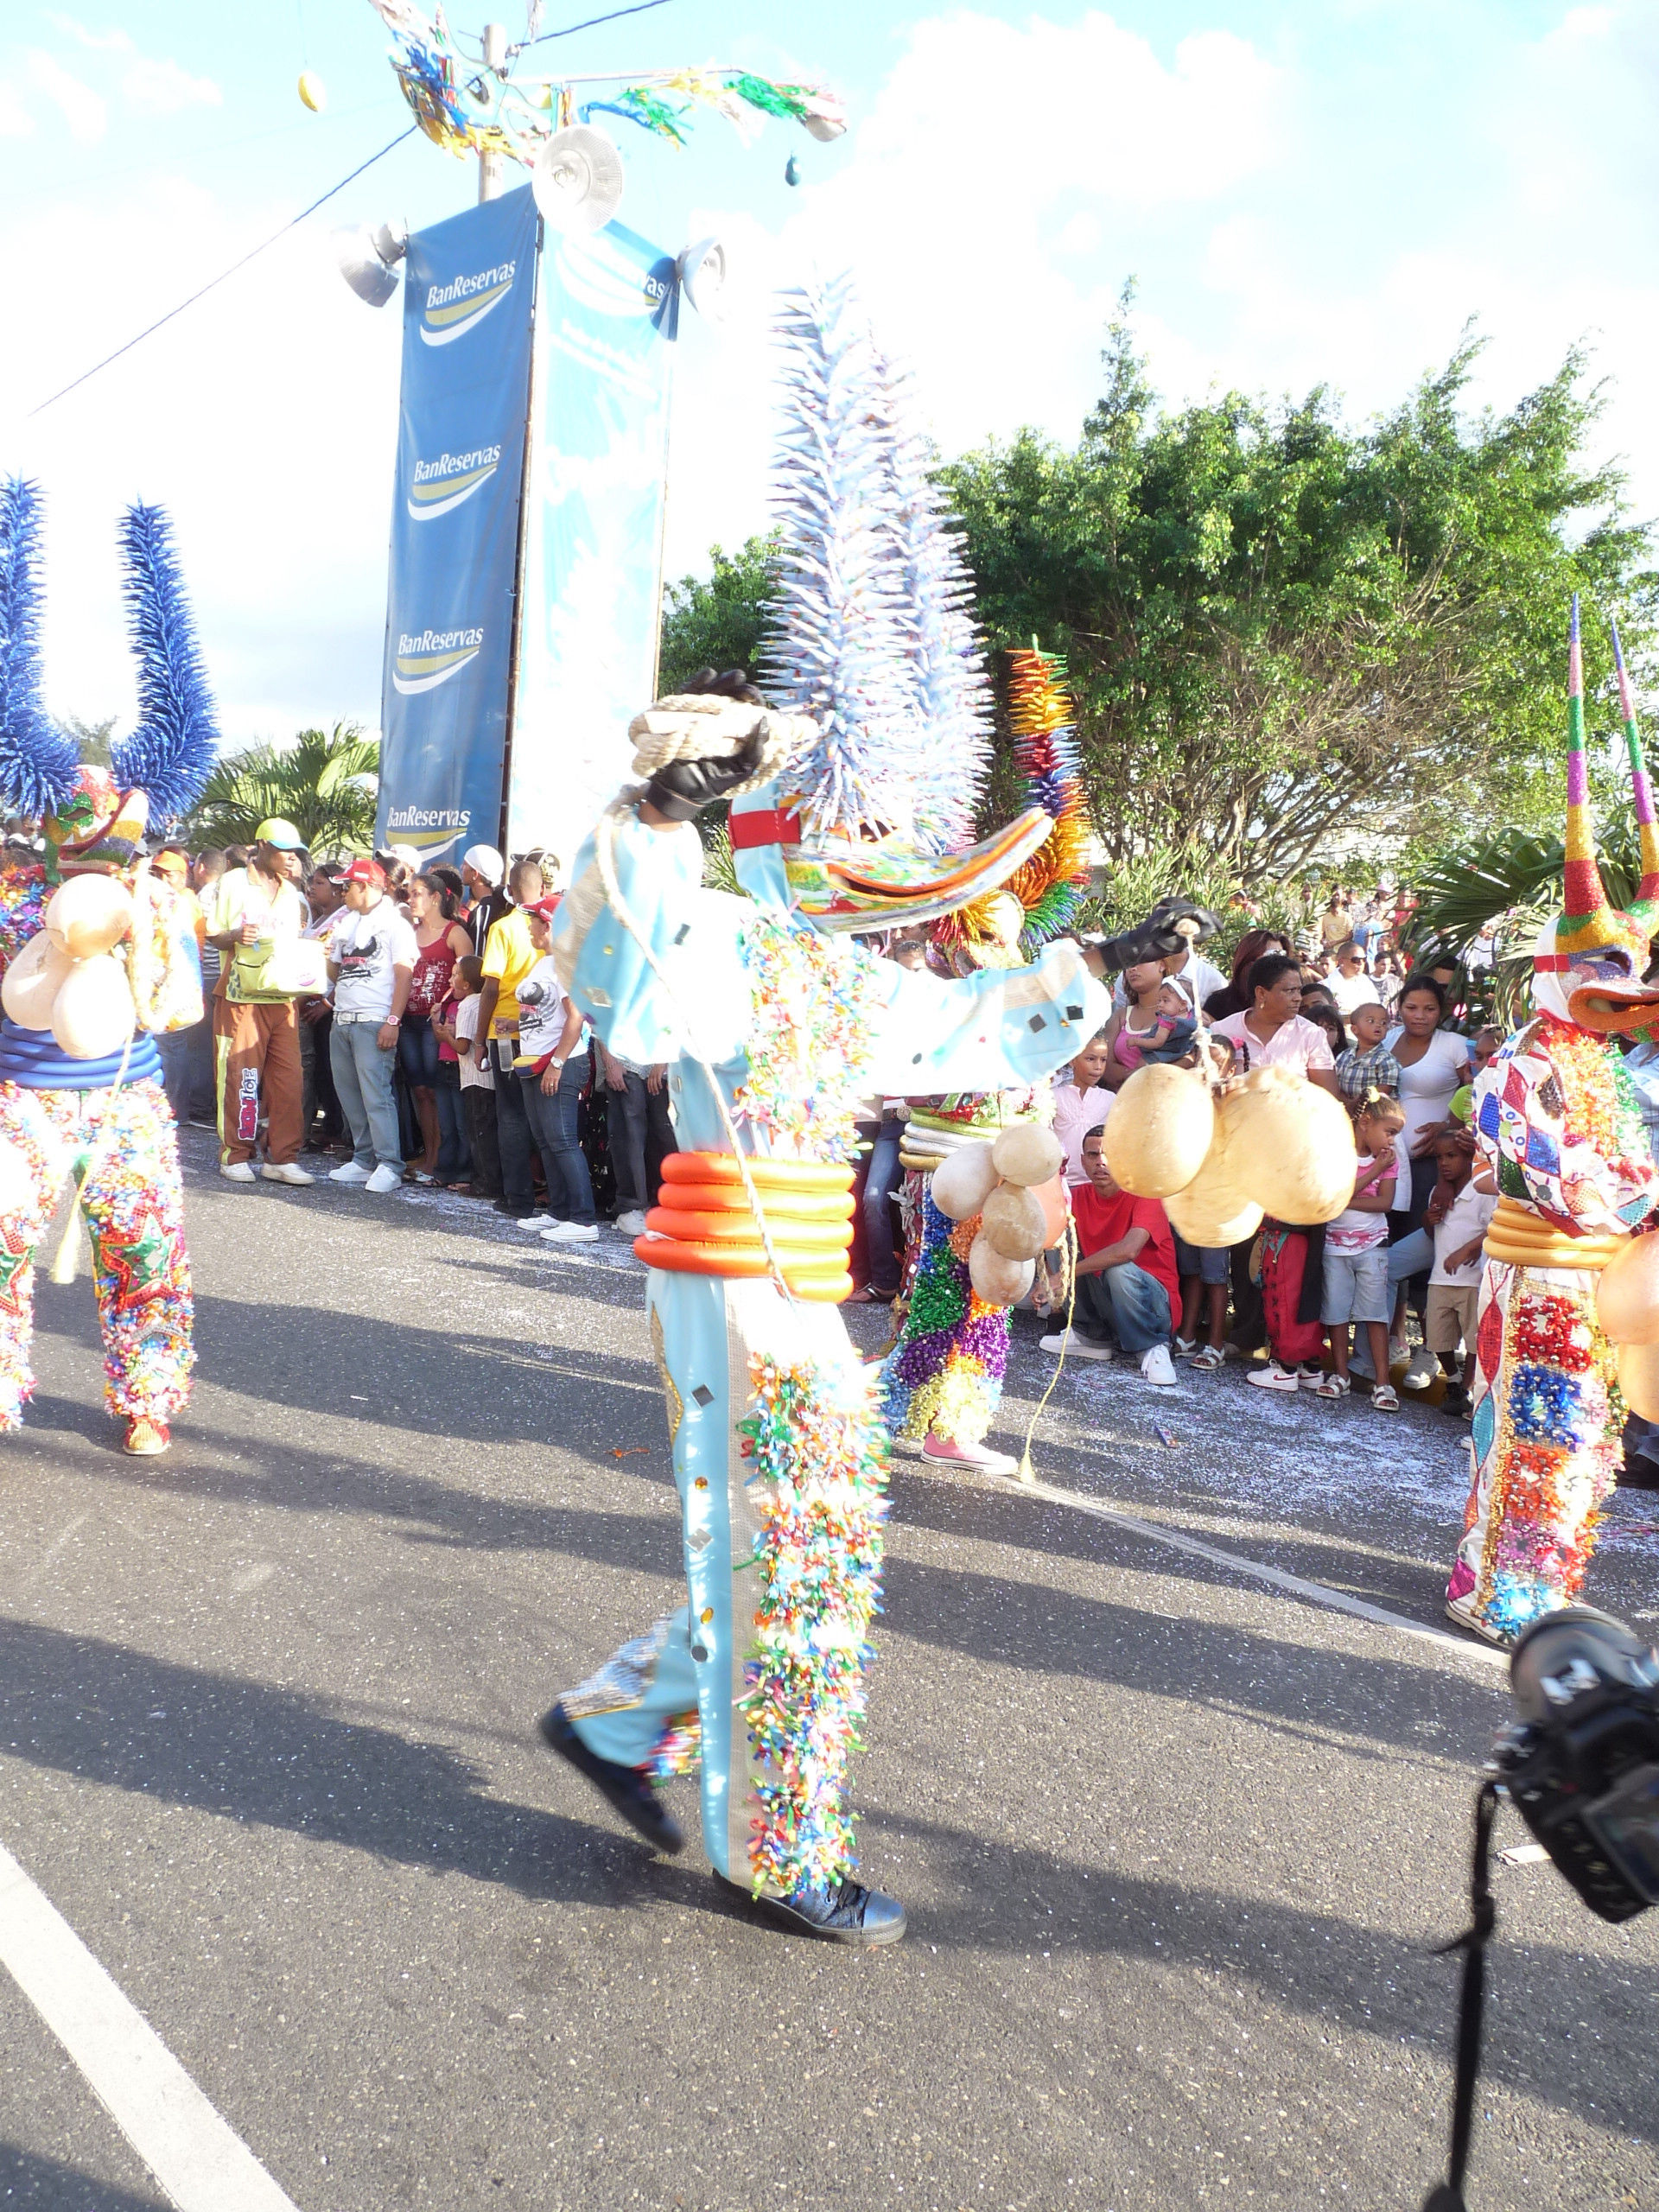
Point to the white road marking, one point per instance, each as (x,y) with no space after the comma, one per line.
(1361,1608)
(55,1550)
(201,2162)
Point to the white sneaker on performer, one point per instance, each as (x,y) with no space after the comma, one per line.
(571,1233)
(1158,1368)
(385,1178)
(236,1171)
(631,1223)
(350,1173)
(286,1171)
(1074,1346)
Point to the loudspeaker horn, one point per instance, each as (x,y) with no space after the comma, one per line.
(577,179)
(368,257)
(703,274)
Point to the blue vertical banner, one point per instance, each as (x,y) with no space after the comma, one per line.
(469,297)
(594,530)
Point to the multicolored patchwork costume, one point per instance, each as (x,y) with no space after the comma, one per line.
(1558,1126)
(101,1124)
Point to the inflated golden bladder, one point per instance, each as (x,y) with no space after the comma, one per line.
(1213,1211)
(1159,1133)
(1627,1294)
(1015,1222)
(32,983)
(963,1181)
(996,1279)
(93,1013)
(88,914)
(1638,1374)
(1026,1154)
(1291,1144)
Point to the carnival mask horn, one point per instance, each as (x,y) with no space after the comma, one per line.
(1589,963)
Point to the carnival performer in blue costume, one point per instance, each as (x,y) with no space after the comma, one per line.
(778,1023)
(93,964)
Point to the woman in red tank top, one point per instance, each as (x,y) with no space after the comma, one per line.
(440,940)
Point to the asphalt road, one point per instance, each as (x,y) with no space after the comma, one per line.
(1175,1842)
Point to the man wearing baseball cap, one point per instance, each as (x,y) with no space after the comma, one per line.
(483,872)
(372,956)
(252,913)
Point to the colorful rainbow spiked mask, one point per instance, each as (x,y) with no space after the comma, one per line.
(97,830)
(1589,963)
(839,883)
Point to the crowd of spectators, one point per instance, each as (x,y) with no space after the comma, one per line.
(408,1023)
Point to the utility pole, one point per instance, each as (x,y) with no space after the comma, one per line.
(489,165)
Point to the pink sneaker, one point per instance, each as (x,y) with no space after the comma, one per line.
(941,1452)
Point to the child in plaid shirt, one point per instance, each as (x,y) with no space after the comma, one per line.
(1366,1065)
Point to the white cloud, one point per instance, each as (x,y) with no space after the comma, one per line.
(86,115)
(16,121)
(163,88)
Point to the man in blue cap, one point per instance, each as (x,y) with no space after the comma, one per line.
(255,917)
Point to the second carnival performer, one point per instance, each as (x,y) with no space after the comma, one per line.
(1569,1298)
(779,1023)
(94,966)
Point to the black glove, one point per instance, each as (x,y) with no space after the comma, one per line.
(682,789)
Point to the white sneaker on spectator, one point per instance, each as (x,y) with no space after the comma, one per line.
(1156,1367)
(571,1233)
(534,1222)
(286,1171)
(1273,1377)
(236,1171)
(385,1178)
(1074,1346)
(350,1173)
(1421,1370)
(631,1223)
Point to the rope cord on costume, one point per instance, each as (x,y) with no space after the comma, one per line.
(1447,2195)
(1027,1472)
(604,840)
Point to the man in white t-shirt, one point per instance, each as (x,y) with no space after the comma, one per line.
(371,954)
(1351,985)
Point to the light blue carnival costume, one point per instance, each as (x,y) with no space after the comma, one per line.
(777,1024)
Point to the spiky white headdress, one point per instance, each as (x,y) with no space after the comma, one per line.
(871,633)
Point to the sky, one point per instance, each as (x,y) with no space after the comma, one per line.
(1304,191)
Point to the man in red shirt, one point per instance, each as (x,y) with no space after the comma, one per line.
(1128,1288)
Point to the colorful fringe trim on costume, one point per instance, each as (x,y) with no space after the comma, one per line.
(946,1375)
(1548,1419)
(133,1207)
(815,1001)
(677,1750)
(819,1484)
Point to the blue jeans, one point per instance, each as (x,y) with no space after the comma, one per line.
(176,1047)
(363,1079)
(454,1152)
(417,1053)
(1127,1303)
(880,1180)
(553,1132)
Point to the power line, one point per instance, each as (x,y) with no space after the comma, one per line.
(222,275)
(593,22)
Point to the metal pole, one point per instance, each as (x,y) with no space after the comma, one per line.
(489,165)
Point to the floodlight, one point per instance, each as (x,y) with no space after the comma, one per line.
(368,257)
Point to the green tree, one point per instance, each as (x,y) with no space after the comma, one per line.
(324,783)
(1289,639)
(716,621)
(92,740)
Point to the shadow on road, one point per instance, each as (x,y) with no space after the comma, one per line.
(47,2185)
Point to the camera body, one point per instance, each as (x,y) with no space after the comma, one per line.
(1580,1764)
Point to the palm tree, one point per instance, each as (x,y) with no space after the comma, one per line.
(324,783)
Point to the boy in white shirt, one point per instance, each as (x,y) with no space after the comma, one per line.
(1455,1281)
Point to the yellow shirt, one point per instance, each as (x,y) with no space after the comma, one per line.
(240,895)
(509,956)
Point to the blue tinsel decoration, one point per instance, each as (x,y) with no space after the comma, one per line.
(38,763)
(869,629)
(170,754)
